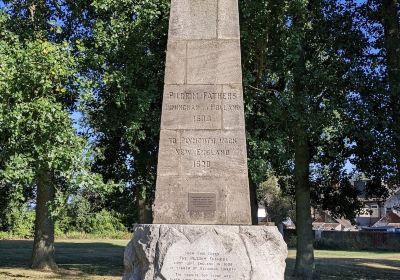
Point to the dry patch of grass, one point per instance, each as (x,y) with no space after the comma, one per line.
(19,273)
(346,265)
(77,259)
(103,260)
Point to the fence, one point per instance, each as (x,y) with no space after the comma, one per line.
(352,240)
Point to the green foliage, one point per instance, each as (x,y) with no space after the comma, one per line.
(20,220)
(125,60)
(105,222)
(278,206)
(80,215)
(123,235)
(342,197)
(36,130)
(375,108)
(5,235)
(37,87)
(301,64)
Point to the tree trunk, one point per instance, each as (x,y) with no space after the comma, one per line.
(305,239)
(304,268)
(391,26)
(145,213)
(43,245)
(253,201)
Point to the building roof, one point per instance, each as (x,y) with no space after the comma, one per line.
(324,217)
(390,218)
(345,223)
(393,200)
(325,226)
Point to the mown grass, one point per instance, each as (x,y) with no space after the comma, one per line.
(103,260)
(77,259)
(346,265)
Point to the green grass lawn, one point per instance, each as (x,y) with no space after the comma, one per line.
(77,259)
(103,260)
(346,265)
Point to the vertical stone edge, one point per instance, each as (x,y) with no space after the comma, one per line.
(176,60)
(228,19)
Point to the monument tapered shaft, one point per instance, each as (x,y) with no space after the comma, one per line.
(202,173)
(202,217)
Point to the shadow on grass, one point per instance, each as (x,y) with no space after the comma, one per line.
(13,276)
(351,268)
(102,258)
(73,258)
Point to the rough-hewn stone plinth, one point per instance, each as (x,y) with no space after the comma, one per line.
(207,252)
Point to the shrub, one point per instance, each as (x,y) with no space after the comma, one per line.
(77,219)
(5,235)
(105,222)
(21,222)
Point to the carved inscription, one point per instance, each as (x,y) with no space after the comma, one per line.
(203,95)
(206,152)
(203,266)
(202,202)
(202,107)
(202,138)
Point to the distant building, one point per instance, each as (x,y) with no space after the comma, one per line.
(370,213)
(390,220)
(261,214)
(288,224)
(392,204)
(324,221)
(374,208)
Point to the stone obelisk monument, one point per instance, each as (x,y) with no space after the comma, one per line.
(202,214)
(202,164)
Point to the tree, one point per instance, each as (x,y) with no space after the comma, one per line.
(40,148)
(126,55)
(278,206)
(390,19)
(300,71)
(375,106)
(39,141)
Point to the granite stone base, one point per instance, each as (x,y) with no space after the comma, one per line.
(205,252)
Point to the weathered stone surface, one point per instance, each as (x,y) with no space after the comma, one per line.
(202,153)
(228,191)
(233,109)
(177,252)
(192,107)
(193,19)
(203,107)
(214,62)
(202,141)
(175,69)
(228,19)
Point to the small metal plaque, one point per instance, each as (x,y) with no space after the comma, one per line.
(202,202)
